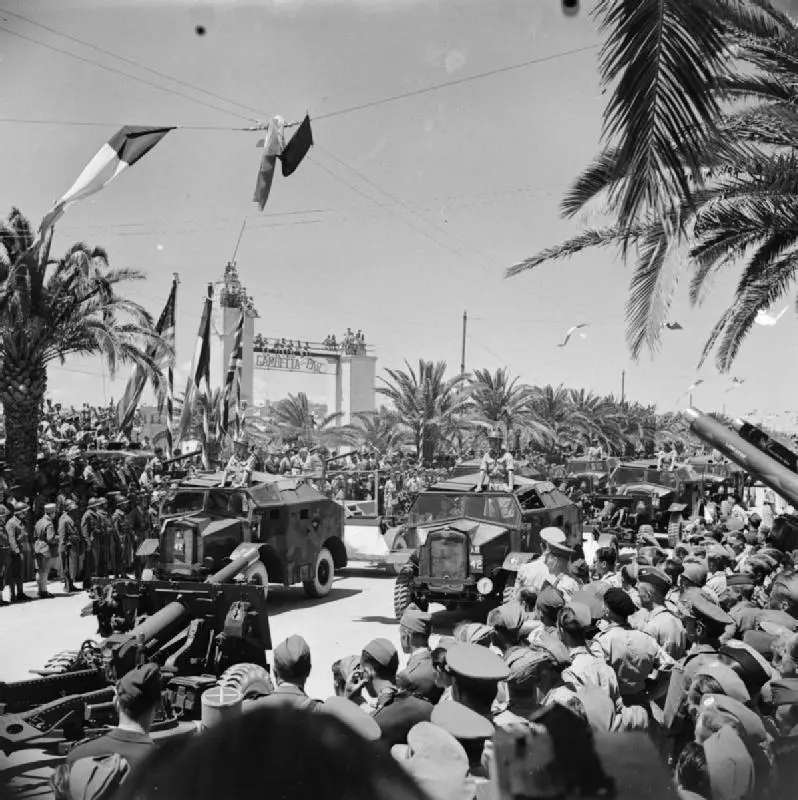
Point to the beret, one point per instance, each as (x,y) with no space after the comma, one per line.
(703,609)
(619,602)
(552,536)
(382,651)
(473,633)
(740,579)
(784,691)
(550,599)
(476,663)
(418,678)
(756,669)
(416,621)
(292,654)
(140,685)
(730,767)
(656,577)
(729,681)
(461,722)
(754,517)
(750,720)
(694,572)
(507,617)
(590,600)
(761,642)
(556,651)
(353,716)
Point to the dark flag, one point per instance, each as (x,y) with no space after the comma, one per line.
(297,148)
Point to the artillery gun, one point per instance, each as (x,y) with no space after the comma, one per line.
(200,635)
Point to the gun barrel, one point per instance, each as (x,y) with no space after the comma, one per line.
(168,617)
(745,454)
(229,572)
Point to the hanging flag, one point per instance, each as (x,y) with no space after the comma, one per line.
(170,376)
(232,383)
(122,150)
(297,148)
(162,351)
(200,365)
(272,146)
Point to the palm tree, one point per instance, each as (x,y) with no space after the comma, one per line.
(430,405)
(687,171)
(553,406)
(379,430)
(53,309)
(293,418)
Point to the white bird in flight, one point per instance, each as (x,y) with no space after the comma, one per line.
(695,385)
(763,318)
(571,332)
(736,383)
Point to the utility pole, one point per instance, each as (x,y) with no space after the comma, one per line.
(690,400)
(623,385)
(462,352)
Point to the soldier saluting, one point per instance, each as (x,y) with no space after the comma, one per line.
(241,465)
(497,465)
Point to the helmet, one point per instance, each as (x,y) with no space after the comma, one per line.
(495,433)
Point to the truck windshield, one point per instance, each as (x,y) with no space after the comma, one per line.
(439,506)
(630,474)
(183,503)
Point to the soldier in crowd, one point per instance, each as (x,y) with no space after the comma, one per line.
(123,535)
(18,546)
(240,466)
(106,553)
(45,548)
(69,545)
(91,533)
(5,554)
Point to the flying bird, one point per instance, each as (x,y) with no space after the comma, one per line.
(736,383)
(695,385)
(673,326)
(765,319)
(571,332)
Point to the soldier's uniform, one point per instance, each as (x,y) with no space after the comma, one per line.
(17,545)
(69,545)
(5,556)
(123,536)
(106,551)
(534,574)
(241,465)
(661,623)
(90,531)
(45,548)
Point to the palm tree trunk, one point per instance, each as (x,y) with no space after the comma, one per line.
(22,403)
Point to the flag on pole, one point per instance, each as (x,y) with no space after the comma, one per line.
(122,150)
(200,370)
(297,148)
(170,377)
(162,351)
(232,383)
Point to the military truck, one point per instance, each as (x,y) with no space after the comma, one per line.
(462,547)
(296,530)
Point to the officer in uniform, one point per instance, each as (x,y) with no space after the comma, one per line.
(415,628)
(69,542)
(5,553)
(475,672)
(45,548)
(17,533)
(551,568)
(653,586)
(107,546)
(90,531)
(497,465)
(292,667)
(240,466)
(123,535)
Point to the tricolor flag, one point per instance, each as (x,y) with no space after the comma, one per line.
(232,383)
(162,351)
(200,371)
(122,150)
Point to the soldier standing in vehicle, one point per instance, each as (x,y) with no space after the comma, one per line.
(44,548)
(69,545)
(497,465)
(241,465)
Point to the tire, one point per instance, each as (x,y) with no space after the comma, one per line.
(257,574)
(402,592)
(323,571)
(508,593)
(249,679)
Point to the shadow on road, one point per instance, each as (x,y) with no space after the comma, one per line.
(282,600)
(366,572)
(381,620)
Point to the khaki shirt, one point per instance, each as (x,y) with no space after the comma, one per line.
(633,655)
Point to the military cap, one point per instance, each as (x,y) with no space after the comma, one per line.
(433,743)
(656,577)
(695,573)
(523,663)
(734,524)
(550,599)
(619,602)
(416,621)
(761,642)
(729,681)
(71,505)
(552,536)
(20,508)
(445,642)
(507,617)
(647,539)
(49,508)
(436,761)
(353,716)
(729,765)
(474,633)
(292,655)
(461,722)
(382,651)
(772,552)
(750,536)
(141,687)
(646,530)
(560,550)
(476,663)
(557,652)
(754,517)
(590,600)
(581,614)
(704,610)
(739,579)
(750,720)
(755,668)
(775,620)
(96,502)
(784,691)
(579,569)
(417,679)
(717,551)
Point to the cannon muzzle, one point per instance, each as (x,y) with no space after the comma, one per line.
(237,565)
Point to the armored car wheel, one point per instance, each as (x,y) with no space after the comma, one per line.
(249,679)
(323,571)
(402,592)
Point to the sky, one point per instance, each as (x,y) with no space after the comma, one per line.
(406,212)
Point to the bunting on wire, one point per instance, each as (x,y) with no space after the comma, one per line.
(274,147)
(170,377)
(232,383)
(129,144)
(200,371)
(162,352)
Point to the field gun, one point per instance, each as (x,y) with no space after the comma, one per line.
(767,444)
(200,635)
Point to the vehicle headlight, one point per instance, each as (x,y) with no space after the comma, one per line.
(475,563)
(484,586)
(655,503)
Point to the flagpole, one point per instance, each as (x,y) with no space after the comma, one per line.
(206,417)
(170,388)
